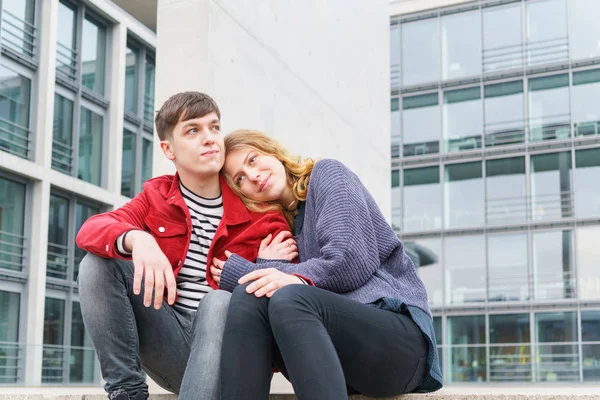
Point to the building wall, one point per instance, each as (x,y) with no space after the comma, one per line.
(495,155)
(307,73)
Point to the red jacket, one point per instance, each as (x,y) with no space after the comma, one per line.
(161,210)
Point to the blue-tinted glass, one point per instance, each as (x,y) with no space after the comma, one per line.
(421,125)
(82,352)
(504,114)
(18,32)
(9,338)
(53,357)
(463,119)
(506,189)
(58,238)
(585,91)
(93,56)
(131,80)
(62,135)
(66,55)
(90,147)
(15,91)
(464,195)
(553,272)
(12,224)
(422,199)
(128,165)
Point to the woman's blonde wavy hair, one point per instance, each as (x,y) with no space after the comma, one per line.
(297,170)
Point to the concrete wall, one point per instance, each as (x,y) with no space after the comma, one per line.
(313,74)
(400,7)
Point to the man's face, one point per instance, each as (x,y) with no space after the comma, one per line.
(196,146)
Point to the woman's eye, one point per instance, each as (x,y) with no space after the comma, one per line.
(239,179)
(252,159)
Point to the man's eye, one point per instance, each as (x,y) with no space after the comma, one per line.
(216,128)
(193,130)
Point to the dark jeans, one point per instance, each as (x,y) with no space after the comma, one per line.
(327,345)
(180,351)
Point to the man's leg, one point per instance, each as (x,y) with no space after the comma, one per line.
(201,380)
(125,333)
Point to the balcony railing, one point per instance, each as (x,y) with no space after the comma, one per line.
(58,261)
(18,35)
(149,111)
(67,364)
(14,139)
(62,157)
(502,58)
(12,356)
(66,61)
(12,250)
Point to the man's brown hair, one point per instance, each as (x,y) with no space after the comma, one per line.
(182,107)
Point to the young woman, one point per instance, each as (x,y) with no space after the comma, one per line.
(350,317)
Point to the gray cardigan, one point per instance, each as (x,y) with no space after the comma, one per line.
(346,246)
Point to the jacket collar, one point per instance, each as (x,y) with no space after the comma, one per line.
(234,211)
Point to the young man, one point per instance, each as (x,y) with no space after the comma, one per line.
(158,245)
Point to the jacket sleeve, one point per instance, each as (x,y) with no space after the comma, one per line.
(345,234)
(99,233)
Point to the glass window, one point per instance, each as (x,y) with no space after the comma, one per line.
(551,193)
(588,254)
(510,354)
(15,92)
(587,171)
(82,213)
(149,76)
(131,80)
(420,52)
(62,135)
(395,127)
(506,190)
(590,326)
(396,202)
(504,114)
(502,38)
(422,199)
(10,354)
(461,45)
(508,272)
(546,31)
(421,125)
(591,362)
(553,272)
(82,352)
(12,221)
(93,55)
(66,55)
(584,32)
(463,195)
(557,362)
(464,258)
(428,256)
(147,154)
(58,238)
(463,119)
(549,115)
(585,92)
(395,55)
(128,167)
(90,147)
(468,362)
(18,26)
(53,359)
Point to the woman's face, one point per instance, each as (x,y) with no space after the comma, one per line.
(259,176)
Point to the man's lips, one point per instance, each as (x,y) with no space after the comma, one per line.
(209,153)
(264,183)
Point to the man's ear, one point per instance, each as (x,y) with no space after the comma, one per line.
(167,149)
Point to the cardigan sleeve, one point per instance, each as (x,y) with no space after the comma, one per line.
(346,236)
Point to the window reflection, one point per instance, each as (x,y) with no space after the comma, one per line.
(422,199)
(463,119)
(62,135)
(15,92)
(506,190)
(553,272)
(587,193)
(147,154)
(9,337)
(12,224)
(586,113)
(468,362)
(66,54)
(549,116)
(502,38)
(463,195)
(149,76)
(464,258)
(510,350)
(504,114)
(429,254)
(131,79)
(557,362)
(57,262)
(588,256)
(421,124)
(82,352)
(395,127)
(128,165)
(584,32)
(82,213)
(18,26)
(420,52)
(54,357)
(93,55)
(546,31)
(507,270)
(551,192)
(461,45)
(90,147)
(396,202)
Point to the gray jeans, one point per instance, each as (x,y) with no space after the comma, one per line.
(180,351)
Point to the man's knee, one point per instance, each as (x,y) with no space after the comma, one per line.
(212,310)
(96,271)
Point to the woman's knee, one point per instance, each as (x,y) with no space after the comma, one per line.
(292,299)
(244,304)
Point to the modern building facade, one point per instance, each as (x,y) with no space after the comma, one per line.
(495,130)
(76,126)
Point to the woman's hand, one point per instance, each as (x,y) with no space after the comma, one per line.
(282,247)
(267,281)
(216,267)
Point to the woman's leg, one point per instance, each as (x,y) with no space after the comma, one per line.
(329,342)
(246,356)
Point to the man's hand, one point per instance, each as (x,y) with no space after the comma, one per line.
(267,281)
(282,247)
(150,263)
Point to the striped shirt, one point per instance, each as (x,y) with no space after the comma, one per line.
(191,280)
